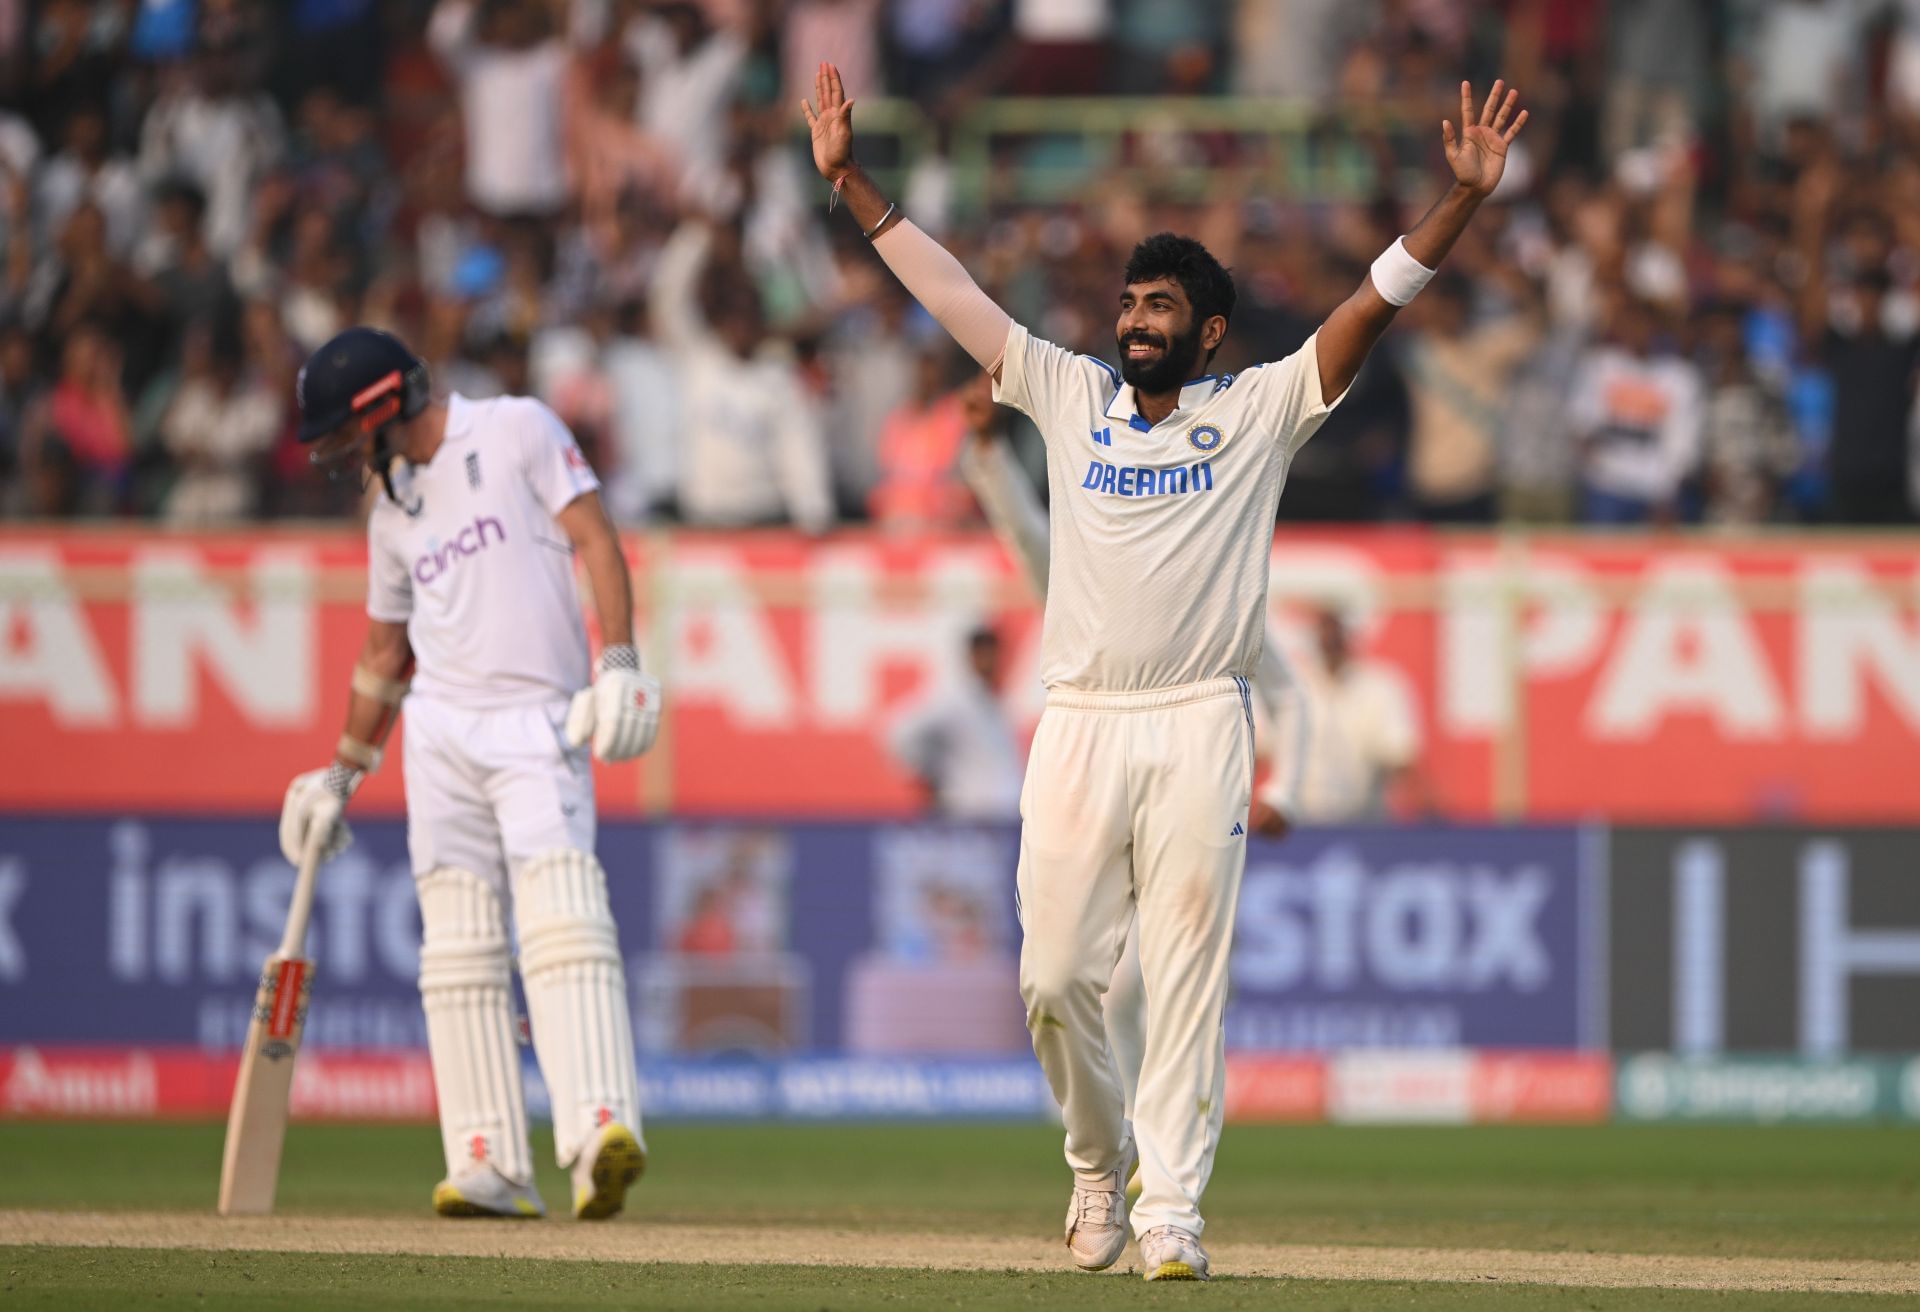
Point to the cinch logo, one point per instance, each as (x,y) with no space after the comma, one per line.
(440,556)
(1132,481)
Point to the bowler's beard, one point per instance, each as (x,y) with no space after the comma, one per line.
(1174,366)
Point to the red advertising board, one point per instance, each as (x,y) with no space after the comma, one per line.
(1641,678)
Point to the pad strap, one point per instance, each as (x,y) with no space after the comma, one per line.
(381,689)
(364,755)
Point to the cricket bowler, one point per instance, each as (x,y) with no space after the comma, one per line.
(1164,483)
(1012,505)
(470,592)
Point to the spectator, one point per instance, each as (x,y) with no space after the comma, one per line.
(1063,46)
(613,155)
(223,421)
(645,387)
(689,70)
(511,67)
(20,391)
(78,445)
(84,171)
(920,489)
(1636,414)
(208,127)
(843,32)
(752,451)
(1457,380)
(1870,354)
(1364,743)
(959,742)
(1806,58)
(1748,442)
(190,285)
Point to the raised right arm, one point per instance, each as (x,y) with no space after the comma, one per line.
(937,280)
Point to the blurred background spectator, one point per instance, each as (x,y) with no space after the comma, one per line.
(1696,299)
(959,741)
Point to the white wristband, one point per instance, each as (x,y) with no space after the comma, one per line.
(1397,276)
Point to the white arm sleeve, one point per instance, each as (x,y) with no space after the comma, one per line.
(1292,714)
(946,291)
(1012,504)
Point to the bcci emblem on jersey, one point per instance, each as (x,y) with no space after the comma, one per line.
(1204,437)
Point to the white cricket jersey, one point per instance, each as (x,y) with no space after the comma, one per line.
(1160,534)
(474,564)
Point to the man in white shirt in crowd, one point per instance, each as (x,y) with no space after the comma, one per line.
(470,588)
(752,452)
(959,743)
(1364,739)
(511,66)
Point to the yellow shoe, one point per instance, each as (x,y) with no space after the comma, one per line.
(483,1191)
(1170,1253)
(606,1169)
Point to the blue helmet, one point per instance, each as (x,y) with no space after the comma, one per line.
(362,374)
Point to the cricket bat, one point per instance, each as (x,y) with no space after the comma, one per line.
(257,1121)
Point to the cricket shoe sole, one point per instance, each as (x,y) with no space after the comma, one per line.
(605,1171)
(1170,1253)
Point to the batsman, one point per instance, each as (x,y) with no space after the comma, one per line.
(475,624)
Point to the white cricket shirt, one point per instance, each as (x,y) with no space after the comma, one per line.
(473,563)
(1160,534)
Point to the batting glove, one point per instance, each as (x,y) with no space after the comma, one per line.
(314,804)
(620,714)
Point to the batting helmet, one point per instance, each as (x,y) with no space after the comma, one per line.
(365,375)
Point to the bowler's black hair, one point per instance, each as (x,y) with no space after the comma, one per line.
(1206,282)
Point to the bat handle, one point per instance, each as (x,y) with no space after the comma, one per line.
(293,944)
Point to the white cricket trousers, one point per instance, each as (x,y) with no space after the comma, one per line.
(1136,802)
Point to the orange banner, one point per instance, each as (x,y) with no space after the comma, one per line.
(1555,677)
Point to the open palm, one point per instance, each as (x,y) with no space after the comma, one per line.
(1478,151)
(831,123)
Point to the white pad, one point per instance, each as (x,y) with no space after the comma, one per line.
(465,983)
(576,996)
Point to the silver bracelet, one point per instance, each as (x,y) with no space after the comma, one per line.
(883,223)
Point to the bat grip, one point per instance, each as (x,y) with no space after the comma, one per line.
(294,943)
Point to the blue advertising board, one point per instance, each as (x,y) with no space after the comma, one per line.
(872,941)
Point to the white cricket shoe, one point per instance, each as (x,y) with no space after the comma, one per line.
(483,1191)
(606,1168)
(1097,1217)
(1170,1253)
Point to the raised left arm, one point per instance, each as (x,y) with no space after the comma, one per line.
(1478,156)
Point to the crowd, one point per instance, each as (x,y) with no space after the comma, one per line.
(1694,300)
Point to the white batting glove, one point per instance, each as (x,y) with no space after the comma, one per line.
(315,802)
(620,714)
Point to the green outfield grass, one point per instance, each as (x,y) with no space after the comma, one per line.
(1838,1192)
(1789,1192)
(68,1278)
